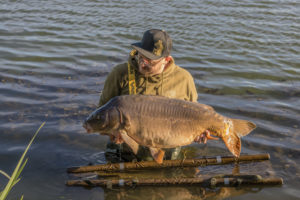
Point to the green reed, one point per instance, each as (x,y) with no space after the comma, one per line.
(14,178)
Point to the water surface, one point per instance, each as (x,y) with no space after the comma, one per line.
(55,56)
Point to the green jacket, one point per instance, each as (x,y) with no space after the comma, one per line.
(174,82)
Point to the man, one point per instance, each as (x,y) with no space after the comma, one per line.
(150,70)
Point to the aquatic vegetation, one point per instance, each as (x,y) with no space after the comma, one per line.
(14,178)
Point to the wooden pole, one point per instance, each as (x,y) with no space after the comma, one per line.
(218,160)
(210,182)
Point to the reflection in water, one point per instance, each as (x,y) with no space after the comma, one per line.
(184,193)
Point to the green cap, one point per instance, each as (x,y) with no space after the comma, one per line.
(155,44)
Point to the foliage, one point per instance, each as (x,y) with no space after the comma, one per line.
(14,178)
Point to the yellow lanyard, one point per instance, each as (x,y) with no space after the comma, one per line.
(131,78)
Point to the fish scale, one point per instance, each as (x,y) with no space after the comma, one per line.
(183,120)
(161,109)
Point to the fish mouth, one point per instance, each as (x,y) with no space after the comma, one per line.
(87,127)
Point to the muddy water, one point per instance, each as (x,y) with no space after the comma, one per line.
(55,56)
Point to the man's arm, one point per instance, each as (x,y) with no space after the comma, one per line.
(191,89)
(111,87)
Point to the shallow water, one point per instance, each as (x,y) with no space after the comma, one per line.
(55,56)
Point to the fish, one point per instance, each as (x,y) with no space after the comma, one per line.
(159,122)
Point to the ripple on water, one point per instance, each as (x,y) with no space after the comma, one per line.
(55,56)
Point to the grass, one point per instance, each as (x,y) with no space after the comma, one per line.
(14,178)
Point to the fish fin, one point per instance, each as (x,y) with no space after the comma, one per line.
(157,154)
(232,140)
(233,143)
(242,127)
(126,122)
(128,140)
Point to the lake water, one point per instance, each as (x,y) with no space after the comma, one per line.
(55,55)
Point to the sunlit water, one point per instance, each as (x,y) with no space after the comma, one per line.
(55,56)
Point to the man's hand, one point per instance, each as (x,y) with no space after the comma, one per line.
(116,137)
(203,137)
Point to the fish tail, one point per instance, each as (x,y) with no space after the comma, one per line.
(242,127)
(239,129)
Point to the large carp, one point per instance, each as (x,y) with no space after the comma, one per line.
(160,122)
